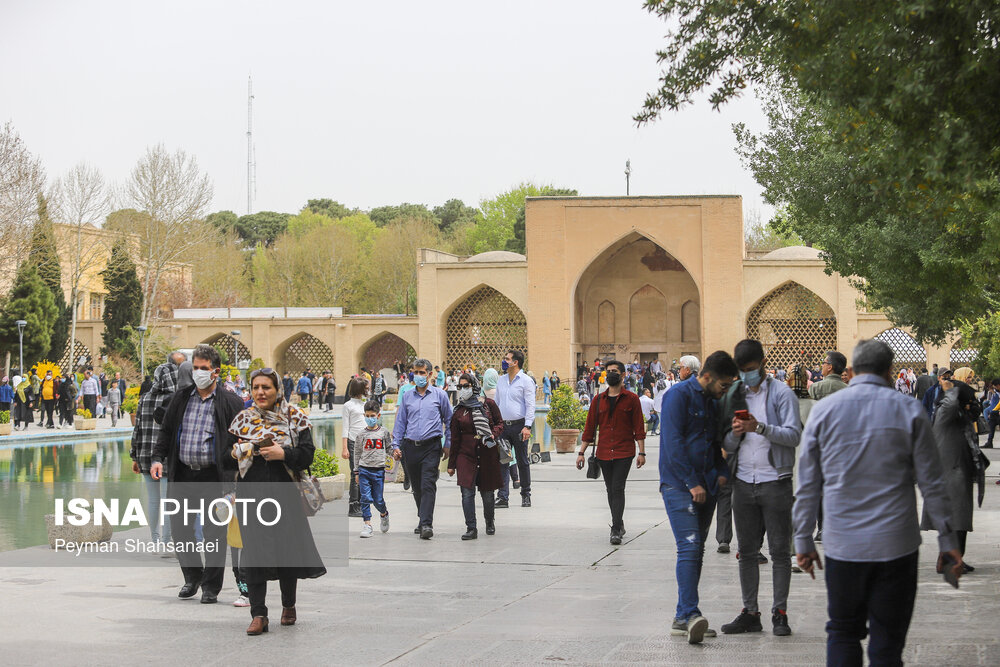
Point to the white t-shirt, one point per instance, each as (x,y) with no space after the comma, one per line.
(353,418)
(452,383)
(753,466)
(647,406)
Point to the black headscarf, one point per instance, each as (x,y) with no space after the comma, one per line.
(473,402)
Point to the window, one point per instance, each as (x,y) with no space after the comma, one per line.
(96,305)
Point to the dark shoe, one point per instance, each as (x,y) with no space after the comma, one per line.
(426,533)
(526,501)
(257,626)
(723,548)
(354,512)
(616,536)
(406,484)
(288,615)
(491,528)
(779,619)
(470,534)
(501,503)
(517,484)
(761,559)
(416,531)
(745,622)
(209,598)
(188,591)
(966,568)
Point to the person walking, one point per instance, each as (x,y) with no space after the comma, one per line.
(144,437)
(924,382)
(368,465)
(195,444)
(353,419)
(516,400)
(991,407)
(861,451)
(90,390)
(114,403)
(615,422)
(67,401)
(761,427)
(420,423)
(49,398)
(649,413)
(6,394)
(24,399)
(691,471)
(546,389)
(304,388)
(833,367)
(958,451)
(275,445)
(287,386)
(475,426)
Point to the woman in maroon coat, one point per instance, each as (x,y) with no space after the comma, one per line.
(475,426)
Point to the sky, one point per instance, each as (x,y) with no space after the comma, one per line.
(367,103)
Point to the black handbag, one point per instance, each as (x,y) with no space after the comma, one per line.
(593,467)
(505,450)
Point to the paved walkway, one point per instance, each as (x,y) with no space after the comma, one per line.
(546,589)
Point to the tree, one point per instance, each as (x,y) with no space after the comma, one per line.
(43,255)
(517,244)
(223,220)
(172,193)
(123,305)
(82,199)
(329,207)
(502,215)
(454,213)
(261,228)
(221,272)
(395,254)
(30,300)
(385,215)
(22,179)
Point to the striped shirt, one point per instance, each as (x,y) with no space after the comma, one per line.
(197,433)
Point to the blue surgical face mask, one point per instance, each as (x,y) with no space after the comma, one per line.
(504,365)
(420,380)
(371,421)
(751,378)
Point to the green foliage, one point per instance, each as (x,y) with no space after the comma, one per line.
(983,335)
(565,411)
(385,215)
(517,244)
(261,228)
(123,304)
(255,364)
(323,464)
(228,370)
(223,220)
(454,213)
(83,412)
(4,416)
(303,403)
(43,254)
(223,355)
(775,234)
(30,300)
(329,208)
(503,216)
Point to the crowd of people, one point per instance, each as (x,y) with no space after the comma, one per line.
(56,398)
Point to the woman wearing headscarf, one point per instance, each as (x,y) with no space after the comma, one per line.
(958,448)
(24,397)
(6,394)
(490,379)
(902,384)
(547,388)
(275,445)
(475,426)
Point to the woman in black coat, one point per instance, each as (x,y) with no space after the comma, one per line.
(275,442)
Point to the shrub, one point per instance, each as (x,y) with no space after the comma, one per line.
(83,412)
(303,404)
(4,416)
(324,465)
(130,404)
(565,412)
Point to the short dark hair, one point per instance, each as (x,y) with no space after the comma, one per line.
(873,356)
(747,351)
(207,353)
(356,388)
(372,406)
(995,381)
(720,365)
(838,361)
(518,356)
(615,362)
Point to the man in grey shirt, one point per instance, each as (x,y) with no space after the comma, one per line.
(860,454)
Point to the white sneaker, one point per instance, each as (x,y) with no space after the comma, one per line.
(697,625)
(385,524)
(367,530)
(242,601)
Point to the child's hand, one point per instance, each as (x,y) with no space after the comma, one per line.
(451,472)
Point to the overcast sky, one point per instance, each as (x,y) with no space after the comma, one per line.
(367,103)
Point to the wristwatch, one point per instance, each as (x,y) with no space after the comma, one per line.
(760,428)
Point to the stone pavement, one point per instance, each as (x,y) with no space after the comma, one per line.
(547,588)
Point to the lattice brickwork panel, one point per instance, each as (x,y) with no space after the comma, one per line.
(908,352)
(794,326)
(307,352)
(385,351)
(70,361)
(229,345)
(483,328)
(960,357)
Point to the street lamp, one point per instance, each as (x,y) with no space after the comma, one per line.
(235,333)
(142,351)
(20,337)
(628,173)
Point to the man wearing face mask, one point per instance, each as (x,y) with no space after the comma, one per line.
(195,442)
(761,427)
(516,399)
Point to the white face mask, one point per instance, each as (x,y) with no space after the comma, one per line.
(464,394)
(202,378)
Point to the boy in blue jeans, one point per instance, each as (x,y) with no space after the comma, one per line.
(369,467)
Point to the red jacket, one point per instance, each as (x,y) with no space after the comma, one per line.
(618,431)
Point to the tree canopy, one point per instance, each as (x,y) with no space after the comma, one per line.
(43,254)
(30,299)
(123,304)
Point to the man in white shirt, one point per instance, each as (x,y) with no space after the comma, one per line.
(649,412)
(516,400)
(452,385)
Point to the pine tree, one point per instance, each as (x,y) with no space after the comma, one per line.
(43,255)
(123,305)
(30,300)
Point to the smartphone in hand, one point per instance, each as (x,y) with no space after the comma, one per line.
(742,415)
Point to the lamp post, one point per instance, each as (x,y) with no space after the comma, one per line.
(20,338)
(142,351)
(235,333)
(628,173)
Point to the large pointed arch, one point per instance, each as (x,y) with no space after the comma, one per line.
(235,349)
(481,327)
(303,351)
(383,350)
(794,325)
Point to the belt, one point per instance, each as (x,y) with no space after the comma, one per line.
(192,466)
(511,422)
(421,443)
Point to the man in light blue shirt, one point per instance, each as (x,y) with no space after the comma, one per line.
(424,415)
(861,452)
(516,400)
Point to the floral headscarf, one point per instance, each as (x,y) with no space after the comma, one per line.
(255,423)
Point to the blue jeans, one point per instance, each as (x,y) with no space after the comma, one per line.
(156,493)
(371,482)
(690,523)
(654,423)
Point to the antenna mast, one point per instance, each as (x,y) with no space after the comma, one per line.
(251,164)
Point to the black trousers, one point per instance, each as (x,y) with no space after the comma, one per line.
(513,433)
(258,594)
(469,506)
(354,494)
(49,405)
(199,485)
(879,595)
(615,473)
(421,465)
(90,403)
(724,514)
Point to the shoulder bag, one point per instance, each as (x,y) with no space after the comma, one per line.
(310,492)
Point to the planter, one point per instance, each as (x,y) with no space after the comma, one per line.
(78,535)
(6,429)
(565,439)
(333,487)
(304,411)
(82,424)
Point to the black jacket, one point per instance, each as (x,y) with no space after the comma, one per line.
(227,406)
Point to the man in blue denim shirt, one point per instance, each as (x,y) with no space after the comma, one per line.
(691,472)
